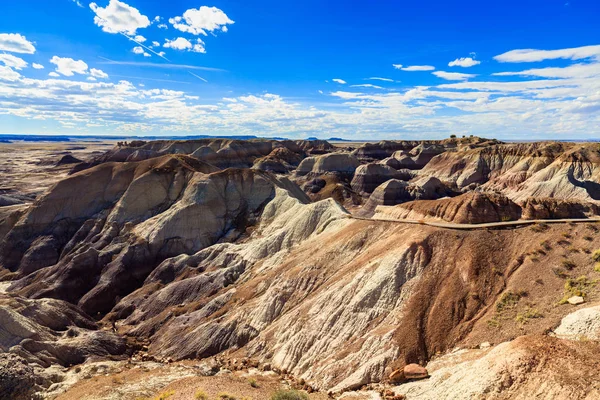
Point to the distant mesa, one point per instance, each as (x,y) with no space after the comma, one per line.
(68,159)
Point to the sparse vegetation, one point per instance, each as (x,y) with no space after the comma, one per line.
(289,395)
(577,287)
(162,396)
(527,314)
(494,322)
(253,383)
(568,265)
(201,395)
(225,396)
(540,227)
(560,273)
(588,238)
(509,300)
(546,245)
(596,255)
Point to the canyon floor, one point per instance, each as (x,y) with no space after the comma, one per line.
(464,268)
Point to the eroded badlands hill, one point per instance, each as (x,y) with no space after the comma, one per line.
(230,250)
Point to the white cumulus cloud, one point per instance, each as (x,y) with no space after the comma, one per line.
(8,74)
(16,43)
(53,74)
(533,55)
(453,76)
(184,44)
(37,66)
(12,61)
(119,17)
(464,62)
(139,38)
(202,20)
(69,67)
(98,73)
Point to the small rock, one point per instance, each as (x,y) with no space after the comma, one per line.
(266,367)
(415,371)
(223,371)
(397,376)
(575,300)
(485,345)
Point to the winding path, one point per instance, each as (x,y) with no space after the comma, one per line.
(503,224)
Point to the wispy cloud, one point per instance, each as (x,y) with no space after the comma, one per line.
(157,65)
(453,76)
(149,79)
(534,55)
(367,85)
(340,81)
(376,78)
(413,68)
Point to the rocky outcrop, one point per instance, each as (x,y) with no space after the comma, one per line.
(469,208)
(564,171)
(9,215)
(419,156)
(280,161)
(335,163)
(18,380)
(389,193)
(118,221)
(367,177)
(385,148)
(583,324)
(48,331)
(222,153)
(315,146)
(395,192)
(527,367)
(549,208)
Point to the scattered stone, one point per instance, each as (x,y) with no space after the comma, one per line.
(397,376)
(485,345)
(575,300)
(415,371)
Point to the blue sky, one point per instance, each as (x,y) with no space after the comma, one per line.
(364,70)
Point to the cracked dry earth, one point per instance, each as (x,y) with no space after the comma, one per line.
(171,268)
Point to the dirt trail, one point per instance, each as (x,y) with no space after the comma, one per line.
(503,224)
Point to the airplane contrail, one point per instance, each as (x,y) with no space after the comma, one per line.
(157,65)
(199,77)
(146,47)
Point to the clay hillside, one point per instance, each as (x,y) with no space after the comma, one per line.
(462,268)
